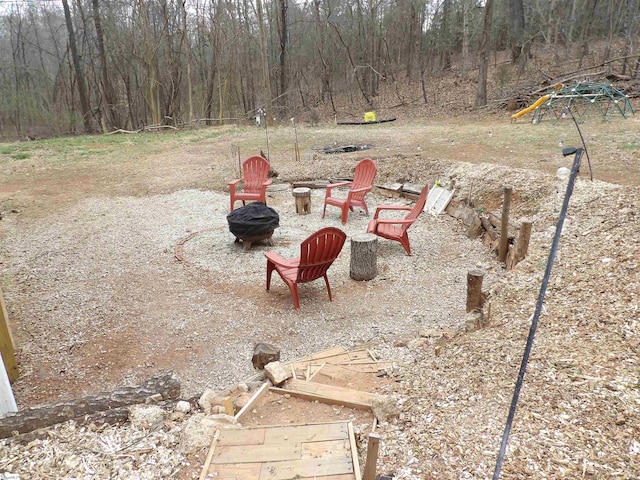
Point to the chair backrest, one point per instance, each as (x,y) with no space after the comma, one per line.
(255,171)
(318,252)
(417,208)
(363,176)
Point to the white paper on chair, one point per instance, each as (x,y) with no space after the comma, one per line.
(437,200)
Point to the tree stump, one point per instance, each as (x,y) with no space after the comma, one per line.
(303,200)
(475,297)
(364,256)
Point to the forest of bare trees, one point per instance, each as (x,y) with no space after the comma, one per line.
(98,66)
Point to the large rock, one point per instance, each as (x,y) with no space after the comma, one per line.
(385,408)
(277,373)
(264,353)
(146,416)
(199,430)
(210,400)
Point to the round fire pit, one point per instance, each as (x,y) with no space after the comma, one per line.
(252,223)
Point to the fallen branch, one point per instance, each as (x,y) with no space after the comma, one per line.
(165,384)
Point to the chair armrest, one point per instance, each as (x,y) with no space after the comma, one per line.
(358,190)
(381,208)
(331,186)
(233,182)
(276,259)
(267,183)
(395,221)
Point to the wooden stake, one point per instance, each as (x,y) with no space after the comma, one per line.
(504,224)
(6,344)
(524,235)
(372,457)
(253,400)
(475,297)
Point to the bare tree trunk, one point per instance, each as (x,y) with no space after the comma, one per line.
(483,56)
(465,37)
(283,33)
(187,54)
(586,23)
(266,81)
(630,26)
(516,17)
(109,94)
(82,87)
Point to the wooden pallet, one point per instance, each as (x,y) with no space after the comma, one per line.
(324,451)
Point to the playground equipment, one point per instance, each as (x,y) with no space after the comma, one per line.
(533,106)
(584,98)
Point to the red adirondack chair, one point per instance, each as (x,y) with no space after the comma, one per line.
(363,177)
(255,176)
(394,228)
(317,253)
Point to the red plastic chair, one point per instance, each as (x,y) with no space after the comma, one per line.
(317,253)
(255,176)
(362,183)
(396,229)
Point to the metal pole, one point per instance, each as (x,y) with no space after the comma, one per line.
(538,310)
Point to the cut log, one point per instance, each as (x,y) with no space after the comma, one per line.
(364,256)
(490,229)
(522,246)
(109,417)
(504,224)
(311,184)
(164,383)
(475,297)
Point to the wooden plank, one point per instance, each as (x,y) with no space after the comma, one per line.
(372,456)
(252,401)
(307,467)
(228,406)
(354,451)
(316,372)
(326,353)
(330,448)
(343,358)
(270,452)
(313,397)
(331,391)
(347,476)
(6,343)
(306,433)
(235,471)
(242,436)
(212,448)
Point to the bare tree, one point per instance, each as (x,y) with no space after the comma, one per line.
(82,87)
(483,56)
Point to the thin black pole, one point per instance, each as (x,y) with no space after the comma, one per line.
(538,310)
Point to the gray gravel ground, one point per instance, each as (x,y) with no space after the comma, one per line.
(101,300)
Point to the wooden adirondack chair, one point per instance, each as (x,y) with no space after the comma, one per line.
(394,228)
(362,183)
(255,177)
(317,253)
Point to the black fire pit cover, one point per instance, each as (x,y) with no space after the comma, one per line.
(253,220)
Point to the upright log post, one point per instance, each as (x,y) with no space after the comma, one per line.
(372,457)
(522,246)
(6,343)
(364,256)
(475,297)
(504,224)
